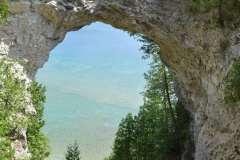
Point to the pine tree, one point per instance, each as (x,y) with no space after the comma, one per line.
(122,147)
(160,128)
(73,153)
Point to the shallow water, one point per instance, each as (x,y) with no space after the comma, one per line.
(93,80)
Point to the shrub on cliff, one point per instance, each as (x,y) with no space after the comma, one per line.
(12,106)
(15,100)
(4,12)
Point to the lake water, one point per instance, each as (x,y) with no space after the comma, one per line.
(93,79)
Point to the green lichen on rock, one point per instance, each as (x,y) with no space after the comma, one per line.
(224,12)
(232,89)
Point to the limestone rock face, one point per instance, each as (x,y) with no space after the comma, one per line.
(189,47)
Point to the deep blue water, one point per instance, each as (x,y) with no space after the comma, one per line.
(93,80)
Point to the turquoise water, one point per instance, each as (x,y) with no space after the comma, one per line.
(93,80)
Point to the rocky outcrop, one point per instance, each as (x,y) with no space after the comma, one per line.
(189,47)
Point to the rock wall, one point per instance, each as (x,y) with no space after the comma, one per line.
(188,45)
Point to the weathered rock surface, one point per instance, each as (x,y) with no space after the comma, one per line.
(188,46)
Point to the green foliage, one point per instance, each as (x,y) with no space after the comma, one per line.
(12,105)
(6,152)
(73,153)
(38,143)
(194,6)
(13,111)
(4,12)
(160,129)
(228,10)
(224,44)
(124,139)
(232,89)
(149,47)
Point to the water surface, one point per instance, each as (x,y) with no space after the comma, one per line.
(93,80)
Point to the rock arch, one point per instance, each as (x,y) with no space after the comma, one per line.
(189,48)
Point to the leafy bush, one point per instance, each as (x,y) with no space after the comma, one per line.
(14,99)
(4,11)
(12,105)
(73,153)
(6,151)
